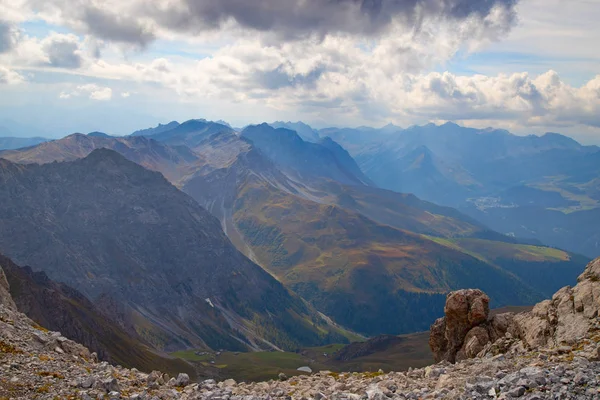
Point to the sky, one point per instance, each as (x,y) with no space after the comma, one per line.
(529,66)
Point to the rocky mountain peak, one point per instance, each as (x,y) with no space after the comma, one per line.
(468,331)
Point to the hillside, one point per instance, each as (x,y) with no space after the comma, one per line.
(321,243)
(114,230)
(60,308)
(304,161)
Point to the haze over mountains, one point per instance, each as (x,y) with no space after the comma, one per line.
(322,223)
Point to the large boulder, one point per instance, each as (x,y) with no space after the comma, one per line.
(464,310)
(467,331)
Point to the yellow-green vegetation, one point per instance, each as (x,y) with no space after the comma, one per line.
(191,355)
(411,351)
(578,193)
(8,348)
(490,251)
(253,366)
(356,270)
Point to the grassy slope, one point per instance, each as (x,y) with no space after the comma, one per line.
(526,262)
(405,352)
(357,271)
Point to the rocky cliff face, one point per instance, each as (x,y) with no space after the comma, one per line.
(5,298)
(468,331)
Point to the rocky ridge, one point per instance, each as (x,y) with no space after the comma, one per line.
(35,363)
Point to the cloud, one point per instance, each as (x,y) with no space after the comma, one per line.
(63,51)
(10,77)
(93,91)
(301,18)
(114,27)
(140,22)
(8,36)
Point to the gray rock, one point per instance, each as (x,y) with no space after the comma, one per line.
(182,380)
(517,392)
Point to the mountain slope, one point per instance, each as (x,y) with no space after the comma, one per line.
(307,133)
(303,160)
(60,308)
(171,161)
(351,268)
(112,229)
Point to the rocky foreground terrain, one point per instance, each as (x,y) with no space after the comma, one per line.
(551,352)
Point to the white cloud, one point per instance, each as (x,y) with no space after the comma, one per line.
(335,74)
(93,91)
(10,77)
(62,51)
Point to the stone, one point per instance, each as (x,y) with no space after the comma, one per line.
(88,382)
(464,310)
(182,380)
(517,392)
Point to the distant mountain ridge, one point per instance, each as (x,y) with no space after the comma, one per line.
(11,143)
(158,129)
(303,130)
(171,161)
(479,170)
(304,159)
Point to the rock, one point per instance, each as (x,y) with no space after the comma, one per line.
(464,310)
(182,380)
(282,377)
(111,385)
(88,382)
(5,298)
(474,342)
(517,392)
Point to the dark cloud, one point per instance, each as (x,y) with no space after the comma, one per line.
(117,28)
(7,37)
(298,18)
(278,78)
(63,53)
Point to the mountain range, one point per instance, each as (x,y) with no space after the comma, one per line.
(148,255)
(538,187)
(306,213)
